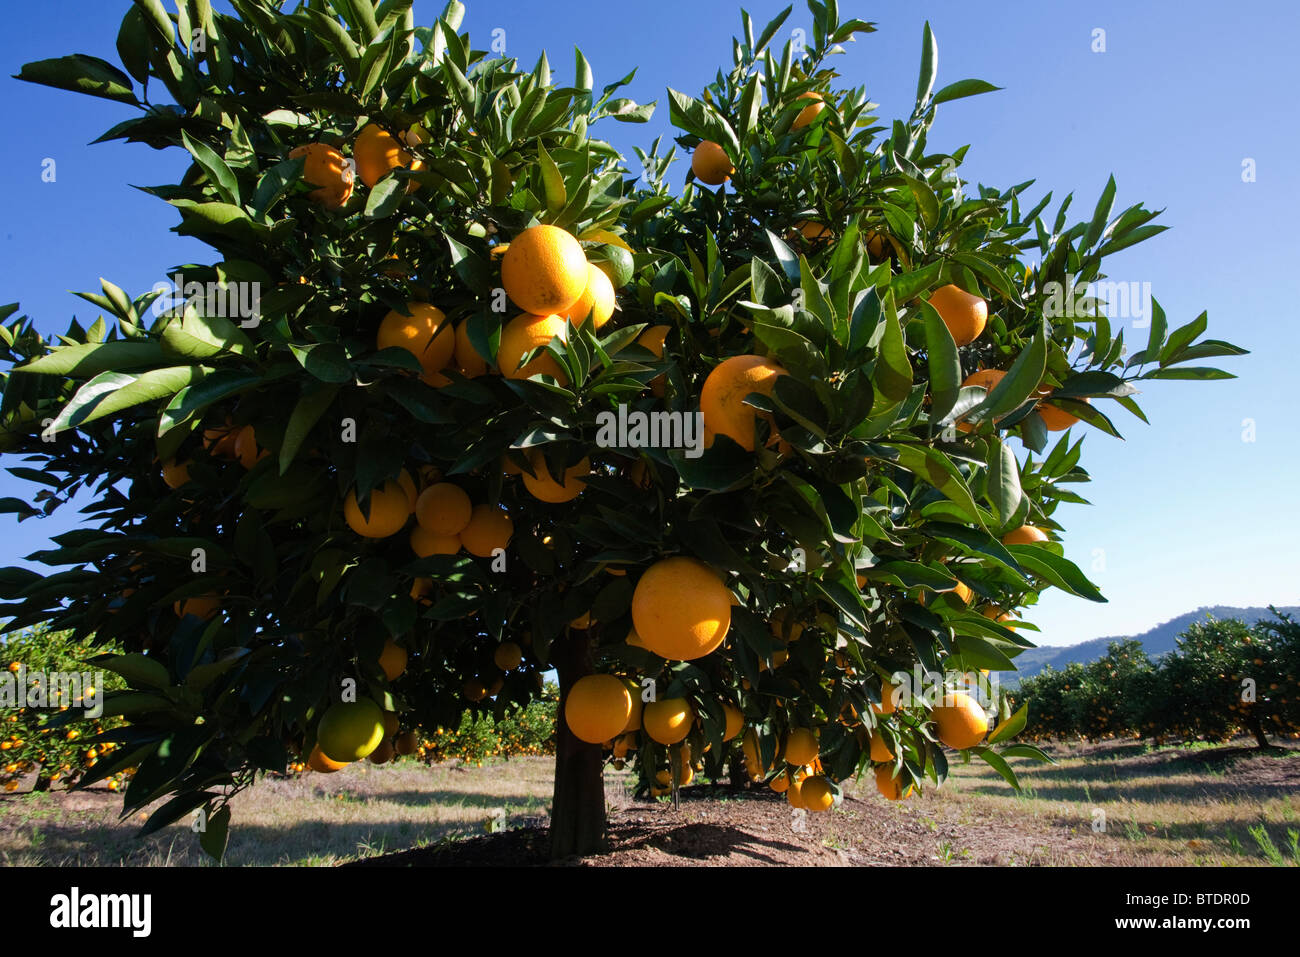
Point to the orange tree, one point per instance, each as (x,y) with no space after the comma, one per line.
(43,678)
(863,336)
(1223,678)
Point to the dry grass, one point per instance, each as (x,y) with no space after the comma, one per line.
(1120,804)
(1168,806)
(318,819)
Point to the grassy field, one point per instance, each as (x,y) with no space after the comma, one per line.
(1111,804)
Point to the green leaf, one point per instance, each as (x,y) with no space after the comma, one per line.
(892,375)
(955,91)
(274,183)
(1000,765)
(908,285)
(215,836)
(552,182)
(198,337)
(1188,372)
(934,467)
(929,66)
(133,45)
(221,176)
(211,388)
(750,101)
(1182,337)
(944,364)
(1055,570)
(1008,729)
(582,79)
(1004,491)
(156,14)
(385,196)
(90,359)
(1100,215)
(111,392)
(136,668)
(327,361)
(81,74)
(978,653)
(1020,381)
(306,413)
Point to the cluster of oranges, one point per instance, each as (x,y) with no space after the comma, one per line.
(964,314)
(375,153)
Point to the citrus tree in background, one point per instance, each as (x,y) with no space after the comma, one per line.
(396,494)
(1223,678)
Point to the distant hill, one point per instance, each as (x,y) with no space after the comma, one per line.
(1157,641)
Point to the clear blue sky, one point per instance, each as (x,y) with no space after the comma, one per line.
(1186,513)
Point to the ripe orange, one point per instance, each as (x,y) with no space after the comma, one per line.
(793,792)
(489,528)
(888,704)
(377,152)
(543,486)
(507,656)
(443,508)
(816,793)
(813,232)
(963,314)
(392,660)
(667,720)
(1024,535)
(888,785)
(638,705)
(475,690)
(652,338)
(710,164)
(175,474)
(879,749)
(681,609)
(382,754)
(780,784)
(735,720)
(1055,418)
(425,333)
(635,640)
(544,271)
(389,509)
(998,615)
(350,730)
(722,400)
(808,113)
(317,761)
(597,708)
(960,721)
(325,167)
(782,628)
(203,607)
(800,746)
(878,247)
(986,379)
(391,723)
(596,301)
(963,591)
(220,440)
(520,336)
(425,543)
(468,361)
(753,755)
(246,448)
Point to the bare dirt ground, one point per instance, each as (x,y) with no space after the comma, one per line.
(1109,804)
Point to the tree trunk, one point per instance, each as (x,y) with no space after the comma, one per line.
(578,804)
(1257,729)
